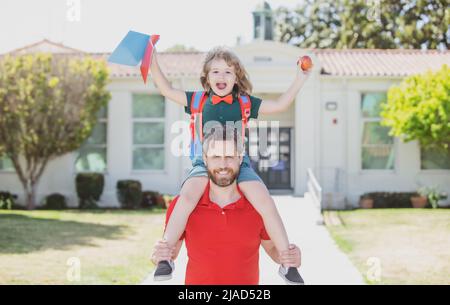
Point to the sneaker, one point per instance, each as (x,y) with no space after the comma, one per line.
(164,271)
(290,275)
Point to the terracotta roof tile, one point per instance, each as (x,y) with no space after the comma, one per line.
(348,62)
(374,62)
(173,65)
(45,45)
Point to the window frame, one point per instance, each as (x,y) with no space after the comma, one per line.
(437,171)
(362,121)
(134,120)
(105,146)
(7,171)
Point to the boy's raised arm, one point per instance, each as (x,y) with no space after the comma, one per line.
(164,86)
(283,102)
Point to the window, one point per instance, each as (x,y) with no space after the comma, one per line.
(257,26)
(268,35)
(435,158)
(6,164)
(377,146)
(92,154)
(148,132)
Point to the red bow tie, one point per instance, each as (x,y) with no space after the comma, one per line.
(217,99)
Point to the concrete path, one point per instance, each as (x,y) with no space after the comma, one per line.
(322,262)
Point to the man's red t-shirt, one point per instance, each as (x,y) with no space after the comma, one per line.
(222,244)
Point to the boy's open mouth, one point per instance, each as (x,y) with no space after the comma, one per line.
(221,86)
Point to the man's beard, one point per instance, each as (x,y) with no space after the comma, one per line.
(225,180)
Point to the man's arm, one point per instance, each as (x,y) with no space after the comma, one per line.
(290,258)
(163,252)
(164,86)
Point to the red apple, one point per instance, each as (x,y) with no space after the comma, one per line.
(305,63)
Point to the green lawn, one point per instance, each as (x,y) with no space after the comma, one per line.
(411,245)
(113,247)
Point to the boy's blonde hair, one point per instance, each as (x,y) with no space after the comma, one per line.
(243,85)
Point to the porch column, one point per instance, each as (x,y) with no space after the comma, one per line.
(307,128)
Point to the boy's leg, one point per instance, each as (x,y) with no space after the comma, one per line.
(191,192)
(258,195)
(256,192)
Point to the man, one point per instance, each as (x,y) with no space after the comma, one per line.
(224,232)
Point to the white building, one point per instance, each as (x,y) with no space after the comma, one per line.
(332,127)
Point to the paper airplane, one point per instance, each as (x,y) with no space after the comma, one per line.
(135,48)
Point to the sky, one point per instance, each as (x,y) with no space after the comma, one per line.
(99,25)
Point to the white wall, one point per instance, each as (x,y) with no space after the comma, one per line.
(407,173)
(307,128)
(57,177)
(60,173)
(120,143)
(318,143)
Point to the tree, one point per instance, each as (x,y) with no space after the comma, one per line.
(368,25)
(379,24)
(313,24)
(180,48)
(48,107)
(424,23)
(419,109)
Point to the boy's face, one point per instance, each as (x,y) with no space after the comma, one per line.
(221,77)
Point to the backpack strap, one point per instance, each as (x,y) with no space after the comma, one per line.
(196,124)
(246,106)
(198,100)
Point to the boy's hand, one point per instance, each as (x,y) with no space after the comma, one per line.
(291,257)
(304,65)
(162,252)
(303,74)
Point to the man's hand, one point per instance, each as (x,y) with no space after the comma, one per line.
(291,257)
(162,252)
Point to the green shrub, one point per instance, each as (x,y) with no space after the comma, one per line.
(148,200)
(89,189)
(433,195)
(390,199)
(168,200)
(55,202)
(129,193)
(419,109)
(7,200)
(151,199)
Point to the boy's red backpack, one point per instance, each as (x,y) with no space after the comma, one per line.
(196,127)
